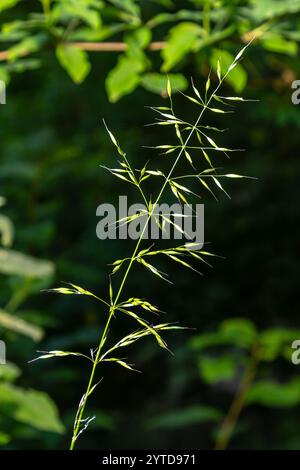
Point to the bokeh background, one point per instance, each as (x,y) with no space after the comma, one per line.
(52,145)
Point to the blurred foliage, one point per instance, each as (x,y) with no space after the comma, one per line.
(238,368)
(181,30)
(24,412)
(51,147)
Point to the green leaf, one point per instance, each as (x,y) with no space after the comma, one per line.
(38,410)
(217,369)
(25,47)
(9,372)
(237,77)
(273,394)
(271,8)
(5,4)
(240,331)
(157,83)
(124,78)
(21,65)
(4,439)
(30,407)
(128,5)
(276,43)
(137,41)
(236,331)
(81,9)
(181,40)
(274,341)
(182,418)
(74,61)
(139,38)
(206,340)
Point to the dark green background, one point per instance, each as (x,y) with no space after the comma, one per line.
(52,145)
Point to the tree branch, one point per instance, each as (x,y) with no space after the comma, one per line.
(111,46)
(97,47)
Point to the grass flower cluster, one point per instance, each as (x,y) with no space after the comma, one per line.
(194,140)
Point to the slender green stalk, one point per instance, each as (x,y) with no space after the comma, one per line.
(89,389)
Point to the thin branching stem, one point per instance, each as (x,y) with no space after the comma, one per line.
(113,307)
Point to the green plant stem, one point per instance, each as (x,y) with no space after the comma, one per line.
(228,425)
(206,17)
(114,304)
(90,383)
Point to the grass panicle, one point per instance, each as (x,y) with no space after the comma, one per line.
(197,143)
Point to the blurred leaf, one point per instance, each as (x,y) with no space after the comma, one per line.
(5,4)
(184,417)
(9,372)
(139,38)
(129,5)
(4,439)
(13,323)
(274,342)
(13,262)
(157,83)
(74,61)
(30,407)
(137,41)
(236,331)
(81,9)
(240,330)
(124,78)
(165,3)
(181,40)
(217,369)
(273,394)
(206,340)
(38,410)
(276,43)
(22,65)
(26,46)
(272,8)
